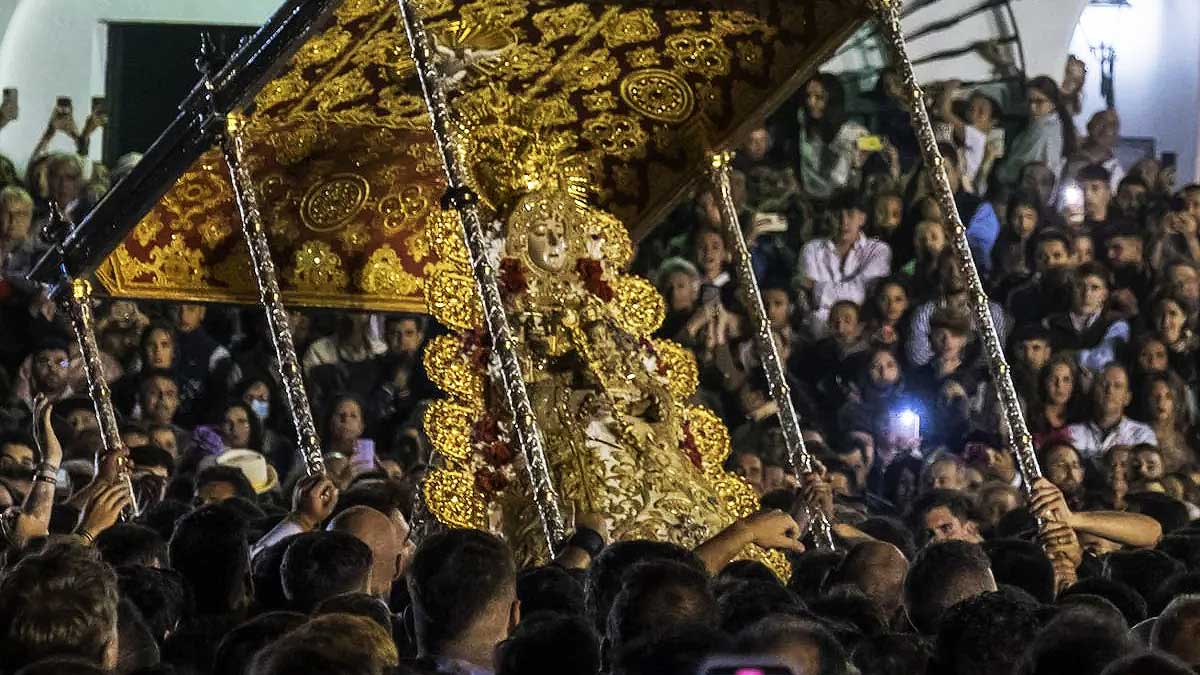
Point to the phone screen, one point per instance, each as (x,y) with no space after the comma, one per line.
(744,666)
(870,143)
(1170,160)
(99,105)
(709,294)
(905,425)
(364,455)
(63,104)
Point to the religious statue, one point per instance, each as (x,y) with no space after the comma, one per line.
(621,436)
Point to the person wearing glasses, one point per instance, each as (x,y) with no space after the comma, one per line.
(49,373)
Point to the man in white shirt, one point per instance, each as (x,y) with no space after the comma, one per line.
(953,292)
(1109,426)
(844,265)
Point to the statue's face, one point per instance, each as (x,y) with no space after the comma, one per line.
(547,244)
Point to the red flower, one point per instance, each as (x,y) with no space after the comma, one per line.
(512,277)
(477,345)
(490,482)
(591,271)
(688,445)
(486,430)
(498,453)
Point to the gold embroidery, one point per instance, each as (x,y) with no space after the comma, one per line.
(452,497)
(384,274)
(617,135)
(332,203)
(644,57)
(402,209)
(449,427)
(316,267)
(658,94)
(556,24)
(600,101)
(699,52)
(630,27)
(354,237)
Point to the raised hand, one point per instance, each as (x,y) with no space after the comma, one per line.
(773,529)
(48,444)
(104,509)
(313,501)
(1048,502)
(816,492)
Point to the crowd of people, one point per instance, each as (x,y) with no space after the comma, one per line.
(205,549)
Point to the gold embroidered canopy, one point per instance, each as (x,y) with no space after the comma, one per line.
(347,172)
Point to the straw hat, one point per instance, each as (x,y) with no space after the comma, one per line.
(258,471)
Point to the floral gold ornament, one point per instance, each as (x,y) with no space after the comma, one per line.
(449,426)
(454,499)
(678,365)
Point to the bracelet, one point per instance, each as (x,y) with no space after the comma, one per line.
(45,478)
(87,537)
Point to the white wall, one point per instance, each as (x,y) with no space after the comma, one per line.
(1157,44)
(1046,27)
(51,48)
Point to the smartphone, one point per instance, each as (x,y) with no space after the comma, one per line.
(63,104)
(363,459)
(1170,160)
(770,223)
(99,105)
(1072,196)
(870,143)
(905,424)
(744,665)
(995,140)
(709,294)
(10,96)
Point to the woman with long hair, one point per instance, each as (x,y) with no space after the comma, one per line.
(1172,322)
(1010,255)
(1060,400)
(828,144)
(1048,137)
(886,314)
(1165,408)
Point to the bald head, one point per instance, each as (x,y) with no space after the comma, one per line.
(1177,630)
(877,568)
(378,532)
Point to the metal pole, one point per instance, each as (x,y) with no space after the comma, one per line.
(234,150)
(78,304)
(798,455)
(1020,438)
(233,146)
(462,199)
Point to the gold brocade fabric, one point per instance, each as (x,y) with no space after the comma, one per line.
(347,173)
